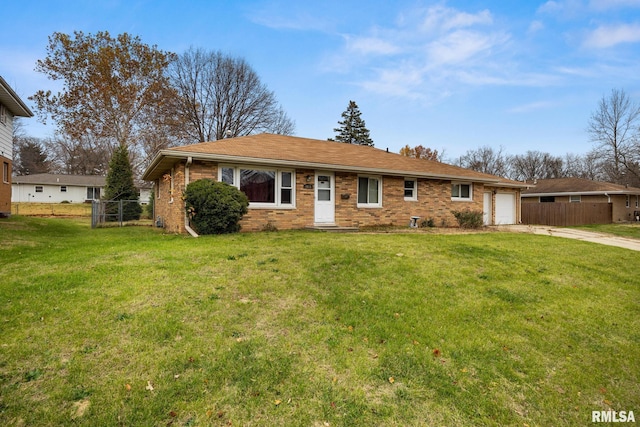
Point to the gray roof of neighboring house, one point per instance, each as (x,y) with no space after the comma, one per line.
(575,186)
(12,101)
(55,179)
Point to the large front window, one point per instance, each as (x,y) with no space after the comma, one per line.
(258,185)
(263,187)
(369,191)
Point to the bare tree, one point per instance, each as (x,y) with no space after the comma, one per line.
(221,96)
(535,165)
(486,160)
(615,129)
(86,155)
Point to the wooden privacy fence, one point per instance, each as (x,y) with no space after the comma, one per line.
(567,214)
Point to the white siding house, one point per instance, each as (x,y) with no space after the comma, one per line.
(52,188)
(55,188)
(10,106)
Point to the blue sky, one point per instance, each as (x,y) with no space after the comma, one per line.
(450,75)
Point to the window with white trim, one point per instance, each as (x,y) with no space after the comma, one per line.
(575,198)
(637,201)
(93,193)
(63,188)
(264,187)
(5,172)
(461,191)
(410,189)
(39,189)
(627,201)
(3,114)
(369,192)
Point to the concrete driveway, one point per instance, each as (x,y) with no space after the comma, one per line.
(571,233)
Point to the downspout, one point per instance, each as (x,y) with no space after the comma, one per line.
(608,197)
(186,182)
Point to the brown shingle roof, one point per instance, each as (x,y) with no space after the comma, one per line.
(576,186)
(269,149)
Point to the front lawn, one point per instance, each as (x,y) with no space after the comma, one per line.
(631,229)
(130,326)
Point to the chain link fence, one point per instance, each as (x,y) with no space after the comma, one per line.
(115,213)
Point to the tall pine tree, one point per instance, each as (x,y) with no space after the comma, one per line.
(120,186)
(352,128)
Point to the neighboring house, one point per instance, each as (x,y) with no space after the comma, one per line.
(10,106)
(54,188)
(297,182)
(575,201)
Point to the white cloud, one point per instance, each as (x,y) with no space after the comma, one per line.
(535,26)
(441,18)
(533,106)
(610,35)
(370,45)
(460,46)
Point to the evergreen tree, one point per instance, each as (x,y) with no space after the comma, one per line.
(352,128)
(120,186)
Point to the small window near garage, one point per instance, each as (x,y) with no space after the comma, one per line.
(460,191)
(39,189)
(575,199)
(547,199)
(637,201)
(369,192)
(5,172)
(63,188)
(410,189)
(627,201)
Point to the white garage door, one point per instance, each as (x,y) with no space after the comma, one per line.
(505,208)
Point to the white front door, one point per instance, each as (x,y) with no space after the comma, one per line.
(325,200)
(486,209)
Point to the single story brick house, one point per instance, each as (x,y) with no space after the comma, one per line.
(294,182)
(580,197)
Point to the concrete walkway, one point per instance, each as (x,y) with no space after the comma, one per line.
(572,233)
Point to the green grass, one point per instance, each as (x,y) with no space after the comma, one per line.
(129,326)
(630,230)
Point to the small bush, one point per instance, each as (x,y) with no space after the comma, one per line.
(428,223)
(468,218)
(269,226)
(214,207)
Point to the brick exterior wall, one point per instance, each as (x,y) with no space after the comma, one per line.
(5,188)
(433,202)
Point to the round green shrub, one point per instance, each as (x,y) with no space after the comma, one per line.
(214,207)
